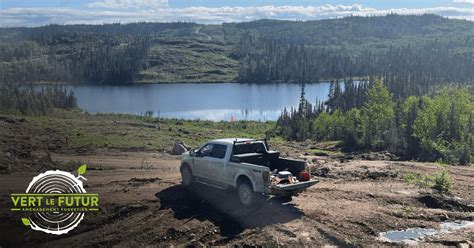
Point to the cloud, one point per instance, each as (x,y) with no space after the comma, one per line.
(127,4)
(160,13)
(463,1)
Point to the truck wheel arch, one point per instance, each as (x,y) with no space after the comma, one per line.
(242,177)
(185,164)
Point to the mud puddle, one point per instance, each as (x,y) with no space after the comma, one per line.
(414,235)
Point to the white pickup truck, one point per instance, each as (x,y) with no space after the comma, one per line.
(246,165)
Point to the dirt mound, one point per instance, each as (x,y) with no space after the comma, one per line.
(445,202)
(361,174)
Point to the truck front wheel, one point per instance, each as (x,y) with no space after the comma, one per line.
(246,194)
(186,176)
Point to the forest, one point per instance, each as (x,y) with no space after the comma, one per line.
(34,101)
(407,69)
(409,51)
(366,116)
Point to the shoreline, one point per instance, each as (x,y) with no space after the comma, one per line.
(138,83)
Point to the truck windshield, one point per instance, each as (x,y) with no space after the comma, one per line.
(257,147)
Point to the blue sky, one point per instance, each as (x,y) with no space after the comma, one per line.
(38,12)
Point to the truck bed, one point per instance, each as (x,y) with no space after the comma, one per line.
(273,161)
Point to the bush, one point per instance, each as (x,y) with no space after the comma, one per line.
(417,178)
(442,181)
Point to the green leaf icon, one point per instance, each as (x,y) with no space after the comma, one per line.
(25,221)
(82,169)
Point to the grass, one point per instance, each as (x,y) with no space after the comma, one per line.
(408,212)
(322,152)
(326,148)
(189,61)
(441,163)
(129,132)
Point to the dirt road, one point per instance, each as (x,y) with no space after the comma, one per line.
(143,203)
(197,31)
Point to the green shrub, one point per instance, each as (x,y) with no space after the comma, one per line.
(417,179)
(442,181)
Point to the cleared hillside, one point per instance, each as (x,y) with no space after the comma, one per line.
(434,48)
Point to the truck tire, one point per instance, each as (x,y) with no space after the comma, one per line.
(187,177)
(246,194)
(285,199)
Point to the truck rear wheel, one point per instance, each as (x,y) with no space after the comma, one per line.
(246,194)
(285,199)
(186,176)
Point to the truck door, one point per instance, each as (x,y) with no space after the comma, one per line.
(217,166)
(200,165)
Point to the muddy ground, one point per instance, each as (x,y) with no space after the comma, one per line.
(143,204)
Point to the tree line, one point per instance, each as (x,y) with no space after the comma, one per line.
(100,59)
(54,34)
(35,101)
(439,127)
(406,68)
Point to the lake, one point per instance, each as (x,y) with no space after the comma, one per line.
(197,101)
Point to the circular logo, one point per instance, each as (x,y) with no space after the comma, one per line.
(56,201)
(55,182)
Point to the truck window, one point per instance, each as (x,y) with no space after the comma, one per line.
(218,151)
(257,147)
(206,150)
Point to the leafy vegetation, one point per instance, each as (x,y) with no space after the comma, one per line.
(444,127)
(440,181)
(436,128)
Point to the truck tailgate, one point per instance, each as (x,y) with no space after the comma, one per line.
(297,186)
(285,189)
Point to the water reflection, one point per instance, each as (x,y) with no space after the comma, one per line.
(197,101)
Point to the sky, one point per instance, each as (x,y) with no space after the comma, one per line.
(30,13)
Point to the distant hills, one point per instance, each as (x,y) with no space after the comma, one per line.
(428,49)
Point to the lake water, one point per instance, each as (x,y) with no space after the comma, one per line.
(412,236)
(197,101)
